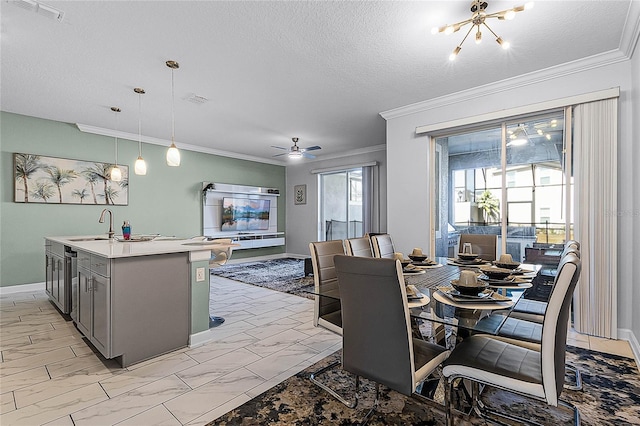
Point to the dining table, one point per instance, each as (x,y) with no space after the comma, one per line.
(443,315)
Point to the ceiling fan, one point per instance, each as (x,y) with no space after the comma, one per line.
(295,151)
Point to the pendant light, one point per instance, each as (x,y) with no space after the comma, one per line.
(140,167)
(116,174)
(173,155)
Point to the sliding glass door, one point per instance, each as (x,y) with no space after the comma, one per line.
(507,179)
(341,204)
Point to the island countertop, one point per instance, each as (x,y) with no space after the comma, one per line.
(102,246)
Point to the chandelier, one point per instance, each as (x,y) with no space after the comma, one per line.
(478,19)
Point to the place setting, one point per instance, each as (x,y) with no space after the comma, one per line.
(467,258)
(416,263)
(471,293)
(415,298)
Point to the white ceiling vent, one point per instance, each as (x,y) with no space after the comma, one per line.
(39,8)
(196,99)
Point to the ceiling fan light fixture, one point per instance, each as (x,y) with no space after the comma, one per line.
(295,155)
(504,44)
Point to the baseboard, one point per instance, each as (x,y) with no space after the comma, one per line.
(22,288)
(199,339)
(626,334)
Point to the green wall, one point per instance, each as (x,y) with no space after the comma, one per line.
(167,200)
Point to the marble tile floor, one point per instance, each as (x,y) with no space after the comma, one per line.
(49,374)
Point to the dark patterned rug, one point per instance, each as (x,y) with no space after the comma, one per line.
(610,396)
(286,275)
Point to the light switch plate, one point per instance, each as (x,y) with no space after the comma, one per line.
(199,274)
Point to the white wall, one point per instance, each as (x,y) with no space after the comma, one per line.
(635,213)
(525,90)
(302,219)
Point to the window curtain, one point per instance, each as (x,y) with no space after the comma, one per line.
(368,200)
(595,159)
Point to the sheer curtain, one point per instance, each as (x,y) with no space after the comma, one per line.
(595,159)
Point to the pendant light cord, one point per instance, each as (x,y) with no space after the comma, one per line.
(173,112)
(139,124)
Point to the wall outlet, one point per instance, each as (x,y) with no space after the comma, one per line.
(200,274)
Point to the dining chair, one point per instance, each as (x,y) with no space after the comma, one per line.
(358,247)
(484,245)
(382,245)
(514,366)
(377,342)
(326,311)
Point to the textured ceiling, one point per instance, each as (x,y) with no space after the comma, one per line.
(321,71)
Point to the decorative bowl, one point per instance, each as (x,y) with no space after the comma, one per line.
(467,256)
(416,258)
(495,273)
(469,290)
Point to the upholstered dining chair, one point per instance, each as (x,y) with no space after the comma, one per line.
(358,247)
(515,366)
(326,309)
(382,245)
(483,244)
(377,341)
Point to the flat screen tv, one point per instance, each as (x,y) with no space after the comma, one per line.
(243,214)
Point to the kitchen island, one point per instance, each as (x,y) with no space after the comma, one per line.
(134,300)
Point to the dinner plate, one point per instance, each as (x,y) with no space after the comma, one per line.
(489,296)
(475,263)
(494,281)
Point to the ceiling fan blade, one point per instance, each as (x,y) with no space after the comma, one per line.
(306,155)
(312,148)
(279,147)
(278,155)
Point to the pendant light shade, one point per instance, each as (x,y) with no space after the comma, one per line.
(140,166)
(116,173)
(173,155)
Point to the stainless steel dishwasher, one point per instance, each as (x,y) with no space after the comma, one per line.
(71,279)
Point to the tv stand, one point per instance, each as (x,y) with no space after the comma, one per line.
(249,240)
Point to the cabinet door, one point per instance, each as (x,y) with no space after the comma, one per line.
(100,320)
(60,291)
(83,315)
(49,273)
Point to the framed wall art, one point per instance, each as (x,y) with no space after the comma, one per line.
(51,180)
(300,194)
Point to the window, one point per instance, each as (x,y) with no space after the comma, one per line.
(528,195)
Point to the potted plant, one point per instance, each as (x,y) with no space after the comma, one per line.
(490,206)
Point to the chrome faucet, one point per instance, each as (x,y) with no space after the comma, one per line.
(101,220)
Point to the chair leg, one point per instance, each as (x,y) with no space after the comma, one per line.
(315,374)
(367,417)
(578,375)
(448,394)
(574,409)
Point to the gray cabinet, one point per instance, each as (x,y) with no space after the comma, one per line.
(55,285)
(134,308)
(93,304)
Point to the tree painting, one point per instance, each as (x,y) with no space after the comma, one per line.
(40,179)
(26,166)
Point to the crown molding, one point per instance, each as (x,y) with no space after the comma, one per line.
(359,151)
(509,84)
(164,142)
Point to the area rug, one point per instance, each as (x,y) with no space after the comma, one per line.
(285,275)
(610,396)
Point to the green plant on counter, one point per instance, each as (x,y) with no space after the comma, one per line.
(490,206)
